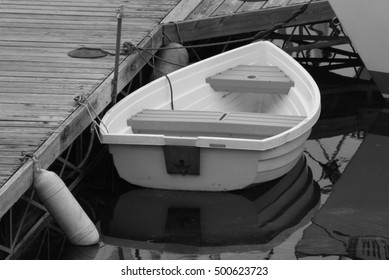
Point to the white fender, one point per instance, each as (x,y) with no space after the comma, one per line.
(64,208)
(172,52)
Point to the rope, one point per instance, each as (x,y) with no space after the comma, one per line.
(36,163)
(130,47)
(264,34)
(80,100)
(164,60)
(89,52)
(90,146)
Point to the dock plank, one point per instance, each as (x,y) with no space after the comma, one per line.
(181,11)
(275,3)
(251,6)
(228,7)
(204,9)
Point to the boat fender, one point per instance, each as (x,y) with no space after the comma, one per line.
(64,208)
(171,57)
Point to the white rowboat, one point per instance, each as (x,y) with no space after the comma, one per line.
(239,118)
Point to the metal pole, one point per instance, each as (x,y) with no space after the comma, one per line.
(119,16)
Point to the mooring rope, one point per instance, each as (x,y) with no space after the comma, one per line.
(81,100)
(36,163)
(130,47)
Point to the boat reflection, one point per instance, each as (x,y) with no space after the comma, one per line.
(182,221)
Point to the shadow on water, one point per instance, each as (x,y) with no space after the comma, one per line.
(261,222)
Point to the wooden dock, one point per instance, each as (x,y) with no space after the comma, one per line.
(39,81)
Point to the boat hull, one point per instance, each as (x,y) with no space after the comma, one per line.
(220,169)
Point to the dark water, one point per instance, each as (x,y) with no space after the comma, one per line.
(263,222)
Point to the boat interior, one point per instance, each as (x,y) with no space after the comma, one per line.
(245,107)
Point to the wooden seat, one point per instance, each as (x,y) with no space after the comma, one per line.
(205,123)
(261,124)
(173,121)
(251,78)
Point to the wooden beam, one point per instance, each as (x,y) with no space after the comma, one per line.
(351,64)
(318,45)
(75,124)
(299,38)
(319,11)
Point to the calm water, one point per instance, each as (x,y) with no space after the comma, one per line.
(139,223)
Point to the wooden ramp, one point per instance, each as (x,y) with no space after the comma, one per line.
(354,222)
